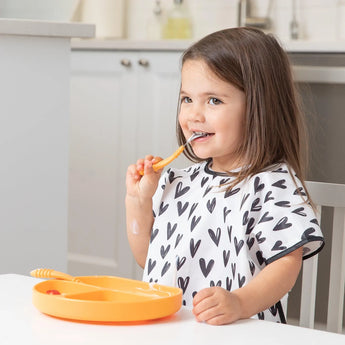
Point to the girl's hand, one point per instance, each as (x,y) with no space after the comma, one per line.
(143,187)
(216,306)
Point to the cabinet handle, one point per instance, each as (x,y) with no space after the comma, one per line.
(143,62)
(126,63)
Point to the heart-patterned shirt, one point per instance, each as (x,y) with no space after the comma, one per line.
(207,235)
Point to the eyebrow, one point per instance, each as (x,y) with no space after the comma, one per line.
(207,93)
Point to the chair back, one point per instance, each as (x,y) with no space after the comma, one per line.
(330,195)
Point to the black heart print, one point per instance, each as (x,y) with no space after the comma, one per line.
(165,268)
(225,213)
(181,208)
(162,208)
(300,212)
(228,283)
(268,196)
(170,230)
(192,209)
(280,184)
(226,256)
(180,262)
(183,283)
(233,269)
(211,205)
(300,191)
(164,251)
(181,191)
(195,222)
(207,190)
(244,200)
(251,267)
(260,257)
(178,239)
(278,246)
(255,205)
(250,242)
(194,247)
(265,218)
(283,203)
(215,237)
(282,224)
(206,269)
(150,266)
(153,234)
(307,234)
(238,245)
(231,192)
(194,174)
(203,181)
(172,177)
(259,238)
(229,232)
(257,185)
(250,226)
(241,280)
(212,283)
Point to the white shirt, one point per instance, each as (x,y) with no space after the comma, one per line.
(204,235)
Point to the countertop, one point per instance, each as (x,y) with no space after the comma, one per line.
(335,46)
(26,27)
(22,323)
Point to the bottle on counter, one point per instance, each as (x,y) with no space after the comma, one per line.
(155,22)
(178,24)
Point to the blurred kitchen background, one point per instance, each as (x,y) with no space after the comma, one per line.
(123,96)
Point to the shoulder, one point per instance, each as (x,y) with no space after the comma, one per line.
(191,172)
(278,178)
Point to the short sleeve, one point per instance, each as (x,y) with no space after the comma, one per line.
(281,219)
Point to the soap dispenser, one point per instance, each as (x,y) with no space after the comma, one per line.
(178,23)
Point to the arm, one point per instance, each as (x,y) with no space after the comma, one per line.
(218,306)
(139,217)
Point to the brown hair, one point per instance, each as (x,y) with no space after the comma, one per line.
(274,126)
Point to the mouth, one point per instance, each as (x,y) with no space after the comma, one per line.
(202,134)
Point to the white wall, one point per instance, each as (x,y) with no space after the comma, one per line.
(318,19)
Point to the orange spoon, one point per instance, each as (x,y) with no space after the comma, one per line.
(49,273)
(164,162)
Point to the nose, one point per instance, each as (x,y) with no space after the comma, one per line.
(195,113)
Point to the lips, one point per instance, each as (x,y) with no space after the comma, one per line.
(203,134)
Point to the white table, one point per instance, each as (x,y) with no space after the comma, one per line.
(22,323)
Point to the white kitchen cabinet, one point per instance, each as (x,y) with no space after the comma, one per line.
(123,106)
(34,112)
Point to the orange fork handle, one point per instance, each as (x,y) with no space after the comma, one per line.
(164,162)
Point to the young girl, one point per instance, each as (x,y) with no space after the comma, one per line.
(231,230)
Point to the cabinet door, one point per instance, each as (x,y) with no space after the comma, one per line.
(158,91)
(97,240)
(123,106)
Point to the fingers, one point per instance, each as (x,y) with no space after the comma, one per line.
(145,166)
(215,306)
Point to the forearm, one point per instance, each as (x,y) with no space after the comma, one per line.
(139,219)
(270,285)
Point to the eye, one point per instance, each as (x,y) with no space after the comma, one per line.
(186,99)
(215,101)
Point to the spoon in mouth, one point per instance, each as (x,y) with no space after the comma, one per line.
(164,162)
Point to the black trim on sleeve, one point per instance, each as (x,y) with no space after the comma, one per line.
(298,245)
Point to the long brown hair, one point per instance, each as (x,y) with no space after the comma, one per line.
(274,125)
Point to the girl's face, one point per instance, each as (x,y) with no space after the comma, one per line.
(213,106)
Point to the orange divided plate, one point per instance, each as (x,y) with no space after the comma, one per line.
(106,299)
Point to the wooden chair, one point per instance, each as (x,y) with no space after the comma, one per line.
(331,195)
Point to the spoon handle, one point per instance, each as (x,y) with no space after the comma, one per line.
(50,273)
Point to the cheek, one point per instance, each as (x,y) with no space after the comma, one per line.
(182,120)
